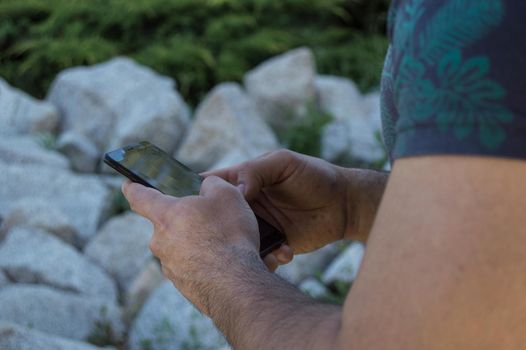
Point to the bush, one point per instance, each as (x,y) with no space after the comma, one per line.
(198,42)
(305,135)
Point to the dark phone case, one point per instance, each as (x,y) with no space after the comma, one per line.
(270,238)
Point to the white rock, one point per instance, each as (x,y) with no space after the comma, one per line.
(372,107)
(148,280)
(168,321)
(34,256)
(283,86)
(313,287)
(82,198)
(122,247)
(41,214)
(57,312)
(27,150)
(345,267)
(120,102)
(230,159)
(4,281)
(113,182)
(306,265)
(226,121)
(14,337)
(340,97)
(23,114)
(335,141)
(82,153)
(354,115)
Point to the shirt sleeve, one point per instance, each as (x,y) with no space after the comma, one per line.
(455,82)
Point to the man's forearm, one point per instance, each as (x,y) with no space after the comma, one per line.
(365,189)
(256,309)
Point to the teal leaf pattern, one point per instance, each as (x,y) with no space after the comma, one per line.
(410,15)
(433,83)
(456,24)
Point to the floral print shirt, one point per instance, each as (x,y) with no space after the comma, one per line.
(454,80)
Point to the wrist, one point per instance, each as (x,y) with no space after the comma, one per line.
(226,276)
(364,190)
(248,294)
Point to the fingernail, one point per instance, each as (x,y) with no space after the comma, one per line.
(241,187)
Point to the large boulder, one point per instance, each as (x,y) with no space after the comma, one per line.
(27,150)
(82,152)
(226,121)
(357,124)
(34,256)
(120,102)
(169,321)
(13,337)
(345,267)
(4,281)
(339,97)
(84,199)
(283,86)
(146,282)
(22,114)
(61,313)
(230,159)
(335,141)
(40,214)
(122,247)
(309,264)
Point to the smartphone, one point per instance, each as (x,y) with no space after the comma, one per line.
(150,166)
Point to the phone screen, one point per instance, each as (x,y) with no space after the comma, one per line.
(158,169)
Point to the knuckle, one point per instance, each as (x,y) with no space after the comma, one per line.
(285,154)
(218,186)
(210,181)
(246,166)
(153,249)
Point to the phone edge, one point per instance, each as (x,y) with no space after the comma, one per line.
(125,172)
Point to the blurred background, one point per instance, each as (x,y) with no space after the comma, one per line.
(213,82)
(197,42)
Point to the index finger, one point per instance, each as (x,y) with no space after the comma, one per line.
(146,201)
(228,174)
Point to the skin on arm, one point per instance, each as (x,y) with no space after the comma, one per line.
(443,267)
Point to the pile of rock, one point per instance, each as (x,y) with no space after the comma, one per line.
(70,273)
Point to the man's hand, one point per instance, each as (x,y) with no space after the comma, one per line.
(197,235)
(208,246)
(312,201)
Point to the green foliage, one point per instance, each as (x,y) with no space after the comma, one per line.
(337,293)
(198,42)
(47,140)
(163,333)
(146,344)
(102,333)
(119,204)
(193,343)
(305,135)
